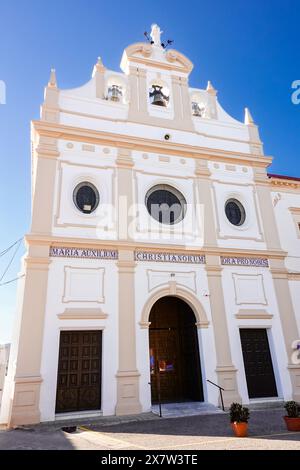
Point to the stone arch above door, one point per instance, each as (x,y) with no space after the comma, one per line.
(174,290)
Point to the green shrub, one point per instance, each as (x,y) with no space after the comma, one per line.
(239,413)
(292,408)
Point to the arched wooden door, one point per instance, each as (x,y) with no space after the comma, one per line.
(174,352)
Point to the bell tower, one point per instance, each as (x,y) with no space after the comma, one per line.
(158,82)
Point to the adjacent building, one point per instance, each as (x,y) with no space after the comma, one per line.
(4,356)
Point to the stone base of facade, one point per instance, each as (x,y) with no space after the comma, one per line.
(294,370)
(128,402)
(227,380)
(25,403)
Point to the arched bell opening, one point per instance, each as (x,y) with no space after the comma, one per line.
(159,94)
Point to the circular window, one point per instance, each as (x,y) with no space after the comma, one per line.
(235,212)
(86,197)
(165,204)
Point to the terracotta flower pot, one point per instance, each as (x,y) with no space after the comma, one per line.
(292,424)
(240,429)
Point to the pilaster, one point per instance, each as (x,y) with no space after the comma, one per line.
(125,194)
(206,203)
(127,376)
(45,157)
(226,371)
(24,407)
(182,105)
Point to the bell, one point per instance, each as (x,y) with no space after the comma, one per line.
(158,98)
(115,93)
(197,111)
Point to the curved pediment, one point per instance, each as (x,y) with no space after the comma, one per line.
(155,56)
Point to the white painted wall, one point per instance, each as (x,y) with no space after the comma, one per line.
(53,325)
(266,302)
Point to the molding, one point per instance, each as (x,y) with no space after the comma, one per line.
(145,324)
(37,263)
(281,184)
(87,165)
(180,292)
(140,143)
(278,273)
(67,280)
(241,276)
(51,240)
(58,214)
(28,379)
(167,276)
(156,123)
(249,314)
(295,213)
(145,52)
(202,324)
(82,314)
(218,215)
(295,210)
(293,276)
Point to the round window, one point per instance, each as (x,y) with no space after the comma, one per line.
(165,204)
(235,212)
(86,197)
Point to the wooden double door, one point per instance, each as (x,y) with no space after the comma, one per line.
(174,353)
(258,363)
(79,371)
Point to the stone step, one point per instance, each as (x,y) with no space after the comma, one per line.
(177,410)
(266,404)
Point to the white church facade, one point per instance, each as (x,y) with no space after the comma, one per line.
(161,254)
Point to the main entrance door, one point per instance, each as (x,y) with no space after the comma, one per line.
(79,371)
(174,352)
(258,363)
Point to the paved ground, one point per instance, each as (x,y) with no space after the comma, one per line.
(266,431)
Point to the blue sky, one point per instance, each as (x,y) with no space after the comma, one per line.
(249,50)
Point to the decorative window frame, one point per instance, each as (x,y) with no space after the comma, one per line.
(249,201)
(295,212)
(173,190)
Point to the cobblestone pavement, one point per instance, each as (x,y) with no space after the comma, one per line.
(266,431)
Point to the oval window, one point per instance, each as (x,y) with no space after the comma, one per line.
(165,204)
(235,212)
(86,197)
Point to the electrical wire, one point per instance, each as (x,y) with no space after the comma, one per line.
(10,247)
(12,258)
(11,280)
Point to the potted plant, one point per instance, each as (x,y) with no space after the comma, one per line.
(239,416)
(292,419)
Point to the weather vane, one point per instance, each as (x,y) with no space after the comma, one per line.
(154,37)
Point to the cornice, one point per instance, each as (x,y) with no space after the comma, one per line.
(153,124)
(159,65)
(295,210)
(282,184)
(33,239)
(60,131)
(294,276)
